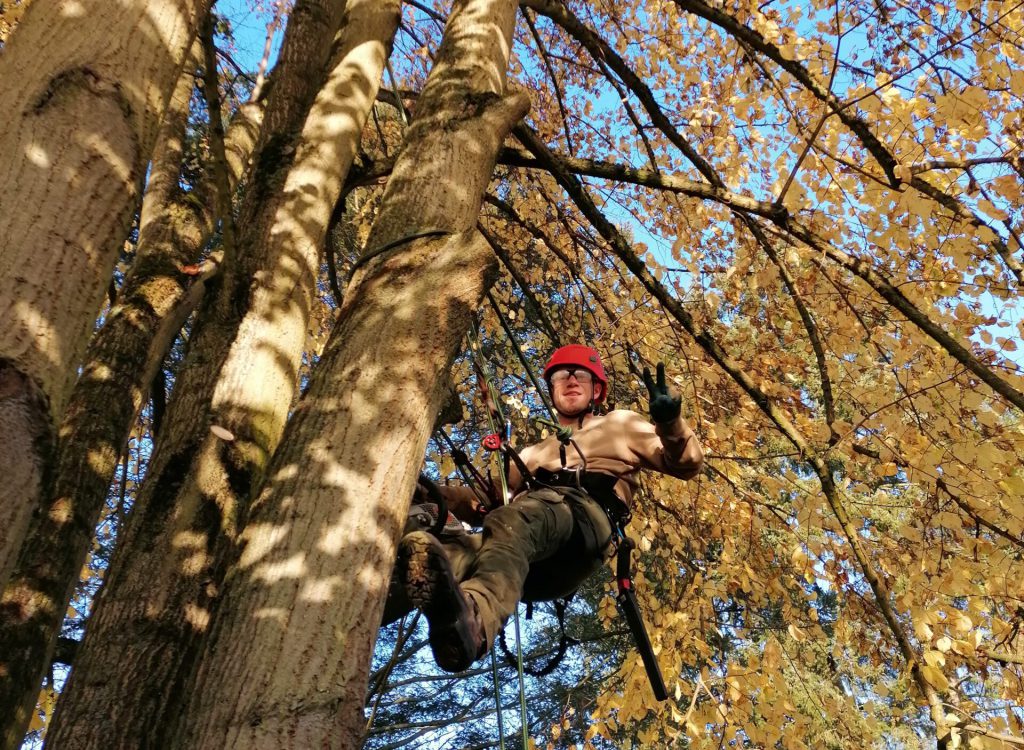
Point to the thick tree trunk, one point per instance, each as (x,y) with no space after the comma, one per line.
(85,87)
(100,412)
(154,300)
(289,658)
(140,645)
(257,383)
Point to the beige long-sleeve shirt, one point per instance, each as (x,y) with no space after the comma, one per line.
(620,443)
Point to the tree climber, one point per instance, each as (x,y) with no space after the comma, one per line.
(558,529)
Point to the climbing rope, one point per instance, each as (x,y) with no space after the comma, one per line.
(497,701)
(500,425)
(522,358)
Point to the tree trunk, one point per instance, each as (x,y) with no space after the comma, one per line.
(155,299)
(141,642)
(257,383)
(86,89)
(100,413)
(288,661)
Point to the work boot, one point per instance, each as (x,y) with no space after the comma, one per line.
(456,635)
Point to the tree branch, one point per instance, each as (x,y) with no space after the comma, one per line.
(221,178)
(940,483)
(735,369)
(1002,656)
(856,124)
(600,50)
(554,79)
(891,294)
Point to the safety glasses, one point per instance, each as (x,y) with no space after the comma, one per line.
(581,375)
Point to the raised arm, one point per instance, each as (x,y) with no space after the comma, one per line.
(674,448)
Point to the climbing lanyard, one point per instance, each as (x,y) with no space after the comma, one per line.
(631,610)
(564,641)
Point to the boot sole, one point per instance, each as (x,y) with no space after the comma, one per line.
(431,586)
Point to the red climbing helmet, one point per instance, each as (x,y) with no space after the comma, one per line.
(580,356)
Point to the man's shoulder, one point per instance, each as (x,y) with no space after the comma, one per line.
(623,415)
(621,419)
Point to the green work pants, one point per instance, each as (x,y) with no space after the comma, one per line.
(540,530)
(540,543)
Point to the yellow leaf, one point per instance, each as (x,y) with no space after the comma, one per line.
(991,210)
(963,623)
(886,470)
(934,658)
(1017,82)
(922,629)
(1013,485)
(964,648)
(935,677)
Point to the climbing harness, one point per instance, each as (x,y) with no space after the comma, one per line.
(601,489)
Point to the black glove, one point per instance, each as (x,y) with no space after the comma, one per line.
(664,406)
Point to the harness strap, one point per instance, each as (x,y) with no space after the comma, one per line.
(598,485)
(513,455)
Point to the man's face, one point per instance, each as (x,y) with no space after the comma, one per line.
(572,389)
